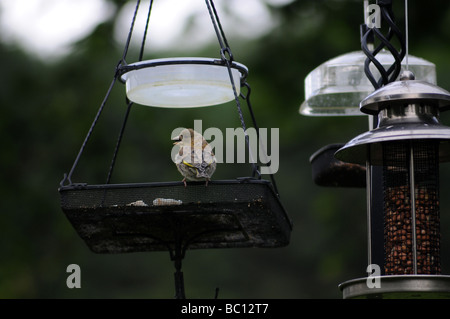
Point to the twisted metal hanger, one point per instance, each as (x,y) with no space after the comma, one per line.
(374,34)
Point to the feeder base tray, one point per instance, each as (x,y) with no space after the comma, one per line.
(398,287)
(330,172)
(124,218)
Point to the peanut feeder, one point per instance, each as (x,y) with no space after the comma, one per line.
(408,143)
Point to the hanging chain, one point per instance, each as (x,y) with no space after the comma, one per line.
(119,140)
(225,48)
(371,34)
(141,54)
(68,177)
(227,58)
(129,103)
(247,99)
(130,33)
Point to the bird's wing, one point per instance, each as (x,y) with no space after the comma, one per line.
(200,162)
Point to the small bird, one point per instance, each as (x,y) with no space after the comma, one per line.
(195,159)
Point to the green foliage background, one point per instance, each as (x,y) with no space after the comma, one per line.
(47,109)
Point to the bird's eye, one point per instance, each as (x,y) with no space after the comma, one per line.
(181,137)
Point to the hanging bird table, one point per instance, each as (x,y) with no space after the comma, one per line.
(168,216)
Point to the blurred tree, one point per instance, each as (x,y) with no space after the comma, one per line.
(47,108)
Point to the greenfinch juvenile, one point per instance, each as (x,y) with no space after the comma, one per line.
(195,159)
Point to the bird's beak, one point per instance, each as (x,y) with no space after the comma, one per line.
(176,140)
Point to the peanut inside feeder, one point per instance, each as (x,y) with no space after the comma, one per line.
(411,240)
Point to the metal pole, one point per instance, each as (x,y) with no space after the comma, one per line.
(413,207)
(177,255)
(369,217)
(179,280)
(369,195)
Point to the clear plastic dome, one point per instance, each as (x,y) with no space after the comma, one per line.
(336,87)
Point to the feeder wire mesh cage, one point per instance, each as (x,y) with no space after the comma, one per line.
(411,243)
(161,216)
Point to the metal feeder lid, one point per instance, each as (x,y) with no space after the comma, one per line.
(407,110)
(369,144)
(406,89)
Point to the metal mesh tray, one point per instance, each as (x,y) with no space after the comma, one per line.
(120,218)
